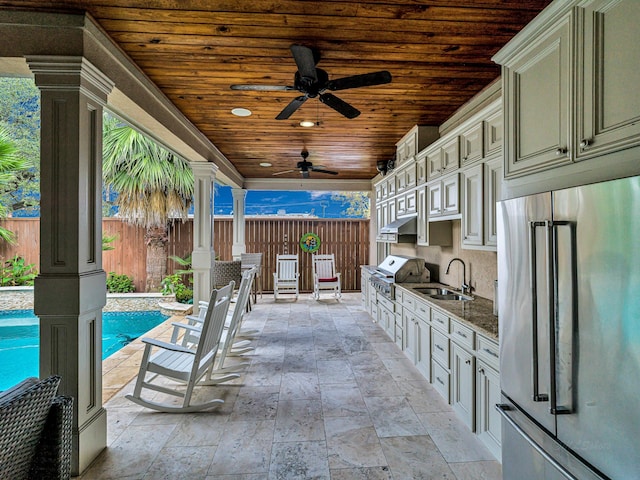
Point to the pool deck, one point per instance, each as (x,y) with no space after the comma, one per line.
(121,367)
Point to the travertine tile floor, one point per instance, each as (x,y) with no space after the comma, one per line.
(327,395)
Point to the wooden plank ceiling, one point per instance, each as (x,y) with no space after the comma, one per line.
(437,51)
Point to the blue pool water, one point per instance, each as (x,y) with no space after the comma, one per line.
(20,330)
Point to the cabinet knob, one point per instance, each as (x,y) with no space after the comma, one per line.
(468,362)
(584,144)
(561,151)
(481,370)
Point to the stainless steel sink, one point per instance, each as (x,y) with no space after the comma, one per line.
(451,296)
(433,291)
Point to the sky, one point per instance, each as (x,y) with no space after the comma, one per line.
(266,202)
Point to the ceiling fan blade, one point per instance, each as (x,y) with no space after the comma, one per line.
(306,62)
(286,171)
(339,106)
(322,170)
(263,88)
(292,107)
(356,81)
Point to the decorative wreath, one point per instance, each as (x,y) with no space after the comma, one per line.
(310,242)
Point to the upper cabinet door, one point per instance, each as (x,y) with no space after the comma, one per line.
(538,102)
(471,148)
(608,116)
(450,155)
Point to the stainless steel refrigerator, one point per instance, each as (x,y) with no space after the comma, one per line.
(569,306)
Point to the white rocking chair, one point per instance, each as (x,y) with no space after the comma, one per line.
(325,276)
(183,364)
(286,276)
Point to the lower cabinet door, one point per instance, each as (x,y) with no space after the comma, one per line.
(423,349)
(488,423)
(462,384)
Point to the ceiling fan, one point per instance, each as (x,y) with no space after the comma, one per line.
(305,167)
(314,82)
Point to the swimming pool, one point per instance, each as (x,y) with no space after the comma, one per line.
(20,331)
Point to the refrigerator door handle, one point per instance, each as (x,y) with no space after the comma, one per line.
(552,231)
(503,409)
(537,396)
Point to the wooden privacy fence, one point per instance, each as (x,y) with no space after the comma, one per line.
(348,239)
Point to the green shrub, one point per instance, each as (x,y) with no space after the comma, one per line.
(172,284)
(15,272)
(120,283)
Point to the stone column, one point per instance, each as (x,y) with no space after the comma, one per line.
(70,289)
(239,246)
(203,256)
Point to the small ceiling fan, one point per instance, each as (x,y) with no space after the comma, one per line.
(305,167)
(314,82)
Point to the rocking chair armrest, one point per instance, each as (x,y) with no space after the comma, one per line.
(193,328)
(166,345)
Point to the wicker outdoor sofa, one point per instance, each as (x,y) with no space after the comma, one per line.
(35,431)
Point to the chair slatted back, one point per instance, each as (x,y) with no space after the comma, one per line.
(213,325)
(324,265)
(287,267)
(248,260)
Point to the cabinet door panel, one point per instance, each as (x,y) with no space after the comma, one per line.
(450,195)
(450,155)
(488,422)
(493,133)
(610,75)
(435,199)
(462,384)
(472,221)
(538,104)
(471,144)
(492,194)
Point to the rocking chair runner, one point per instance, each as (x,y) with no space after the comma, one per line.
(286,276)
(181,364)
(325,276)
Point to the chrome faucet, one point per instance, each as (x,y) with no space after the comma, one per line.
(466,288)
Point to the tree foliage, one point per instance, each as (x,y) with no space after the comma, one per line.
(358,203)
(20,119)
(153,185)
(11,165)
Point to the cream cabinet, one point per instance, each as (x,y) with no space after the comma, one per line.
(415,140)
(405,178)
(444,198)
(488,425)
(472,206)
(492,195)
(608,110)
(569,79)
(472,144)
(436,233)
(481,189)
(408,202)
(463,384)
(421,168)
(538,103)
(443,158)
(493,133)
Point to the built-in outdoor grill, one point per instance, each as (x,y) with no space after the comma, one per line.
(398,269)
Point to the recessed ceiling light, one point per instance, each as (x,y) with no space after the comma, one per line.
(241,112)
(265,164)
(307,123)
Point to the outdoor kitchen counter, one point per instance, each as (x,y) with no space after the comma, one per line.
(477,313)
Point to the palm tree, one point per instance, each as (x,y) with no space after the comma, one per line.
(154,188)
(10,164)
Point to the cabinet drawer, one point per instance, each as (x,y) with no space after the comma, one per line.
(488,350)
(388,304)
(441,380)
(408,301)
(440,320)
(423,310)
(440,348)
(462,334)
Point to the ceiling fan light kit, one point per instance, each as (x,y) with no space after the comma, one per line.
(305,167)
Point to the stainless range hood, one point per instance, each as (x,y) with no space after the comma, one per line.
(401,230)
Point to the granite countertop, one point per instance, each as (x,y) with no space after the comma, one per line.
(477,313)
